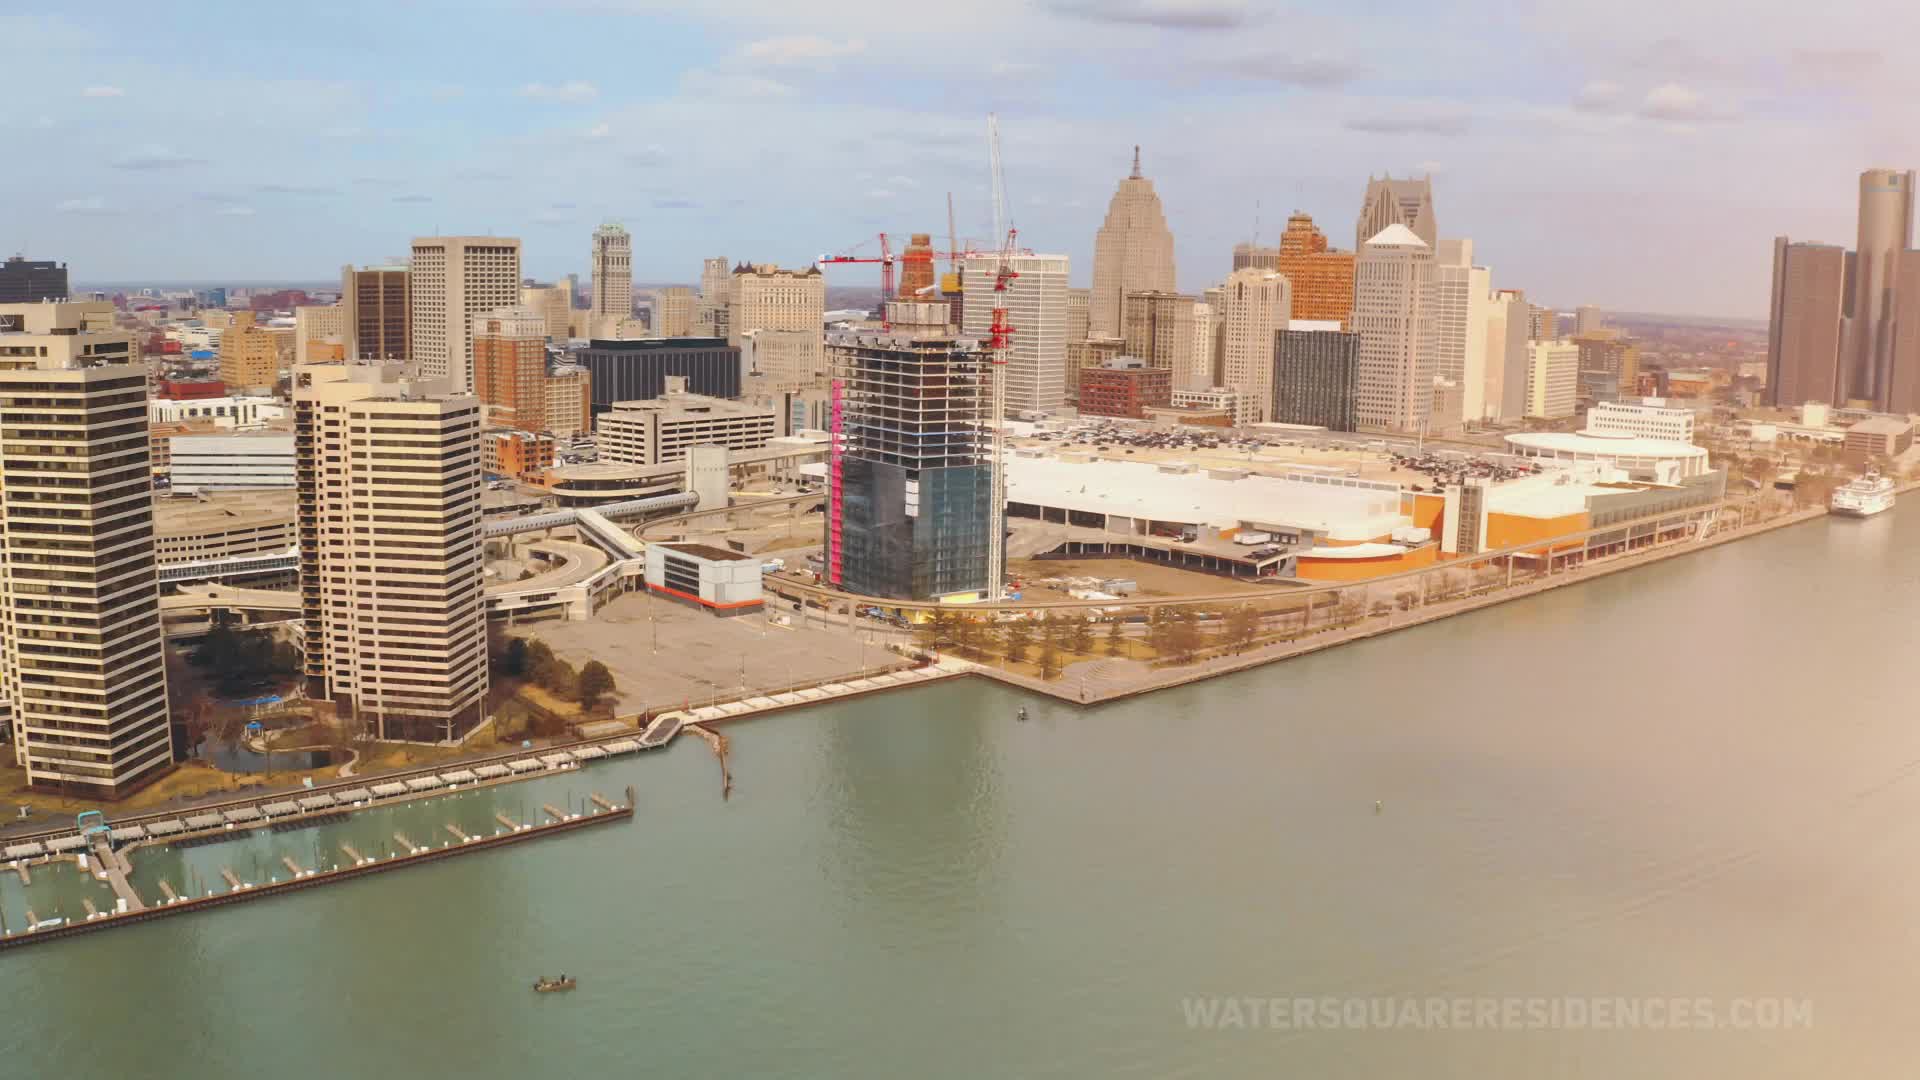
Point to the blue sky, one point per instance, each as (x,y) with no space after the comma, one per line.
(1636,154)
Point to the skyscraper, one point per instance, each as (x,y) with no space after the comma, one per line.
(1508,355)
(1253,310)
(1158,328)
(1406,202)
(1316,375)
(552,304)
(453,281)
(84,656)
(25,281)
(908,476)
(1394,314)
(1203,360)
(1806,325)
(249,355)
(1321,279)
(1133,252)
(510,368)
(612,264)
(390,550)
(916,268)
(1036,368)
(1462,291)
(1587,320)
(379,313)
(1886,230)
(1251,256)
(673,311)
(788,308)
(313,325)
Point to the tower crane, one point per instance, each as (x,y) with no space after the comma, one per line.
(1000,337)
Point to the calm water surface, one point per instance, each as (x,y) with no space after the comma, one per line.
(1697,780)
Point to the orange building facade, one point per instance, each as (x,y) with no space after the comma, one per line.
(1321,279)
(510,368)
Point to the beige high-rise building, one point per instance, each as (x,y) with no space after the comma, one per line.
(766,297)
(1406,202)
(1553,379)
(569,402)
(1885,231)
(1250,256)
(554,308)
(379,305)
(317,325)
(1254,307)
(673,311)
(1079,318)
(1462,292)
(1158,328)
(612,262)
(250,356)
(1036,368)
(82,653)
(389,473)
(1133,252)
(716,280)
(1394,311)
(785,358)
(1090,353)
(455,280)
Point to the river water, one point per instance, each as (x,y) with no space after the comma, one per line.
(1698,780)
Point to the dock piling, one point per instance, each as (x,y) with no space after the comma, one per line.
(166,890)
(292,867)
(512,825)
(553,811)
(456,833)
(401,839)
(600,802)
(233,880)
(352,855)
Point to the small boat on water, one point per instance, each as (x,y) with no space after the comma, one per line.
(1864,496)
(549,985)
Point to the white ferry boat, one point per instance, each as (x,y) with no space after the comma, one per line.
(1863,496)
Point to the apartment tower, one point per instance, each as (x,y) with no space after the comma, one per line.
(1133,252)
(1158,327)
(612,263)
(456,280)
(388,471)
(1462,292)
(673,311)
(788,310)
(1394,312)
(1321,278)
(1807,327)
(82,653)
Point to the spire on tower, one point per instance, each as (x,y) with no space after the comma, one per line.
(1136,161)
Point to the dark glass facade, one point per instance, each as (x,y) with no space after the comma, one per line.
(1315,375)
(637,370)
(25,281)
(910,490)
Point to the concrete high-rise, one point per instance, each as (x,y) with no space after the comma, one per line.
(1394,313)
(1587,320)
(1406,202)
(1462,292)
(1806,328)
(788,308)
(379,307)
(673,311)
(1036,370)
(313,325)
(909,481)
(1553,379)
(1250,256)
(510,368)
(250,355)
(1132,252)
(455,280)
(29,281)
(1321,278)
(716,280)
(389,477)
(1886,230)
(612,265)
(82,652)
(556,311)
(1508,354)
(1158,327)
(1253,310)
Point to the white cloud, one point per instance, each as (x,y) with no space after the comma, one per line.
(90,205)
(1165,14)
(1411,118)
(802,51)
(601,130)
(156,157)
(1598,95)
(1677,104)
(103,92)
(574,91)
(701,84)
(235,211)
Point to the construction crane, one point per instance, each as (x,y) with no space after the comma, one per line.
(999,338)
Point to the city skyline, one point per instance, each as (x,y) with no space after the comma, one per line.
(346,154)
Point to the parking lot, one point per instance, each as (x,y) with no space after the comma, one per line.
(700,655)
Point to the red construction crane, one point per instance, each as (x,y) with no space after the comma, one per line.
(887,258)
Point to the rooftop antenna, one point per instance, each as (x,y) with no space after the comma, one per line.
(1136,161)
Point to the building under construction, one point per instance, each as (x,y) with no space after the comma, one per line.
(909,480)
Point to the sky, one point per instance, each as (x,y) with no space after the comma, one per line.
(1635,154)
